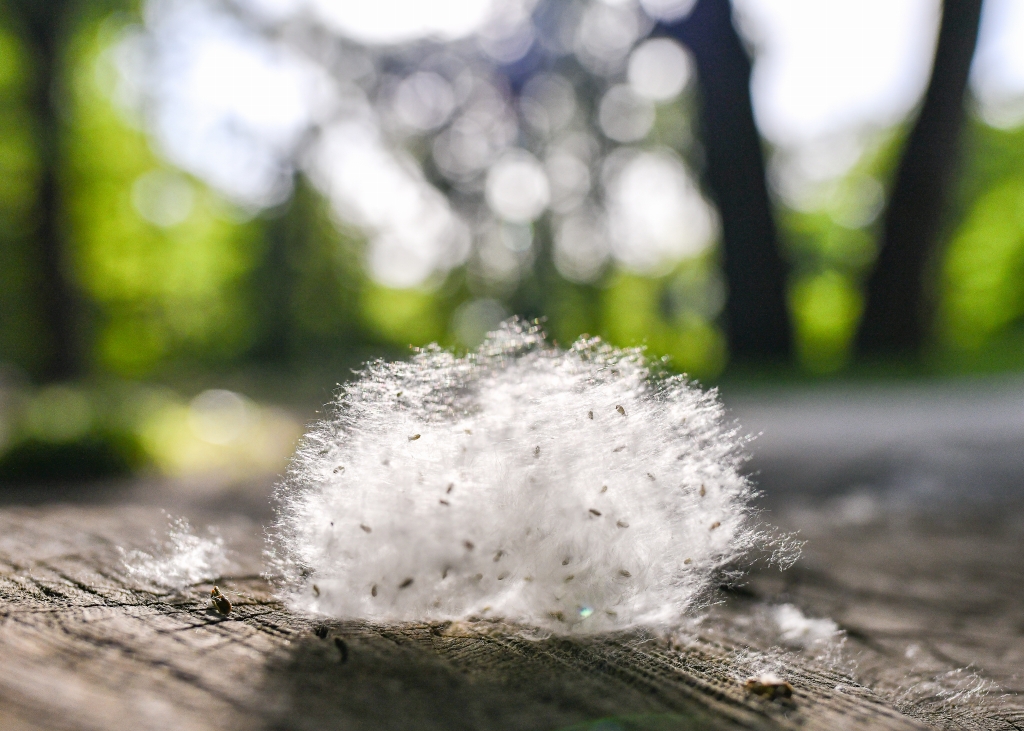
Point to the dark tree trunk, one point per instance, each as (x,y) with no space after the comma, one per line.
(756,313)
(43,25)
(274,283)
(896,316)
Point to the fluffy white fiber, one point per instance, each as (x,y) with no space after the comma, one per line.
(572,490)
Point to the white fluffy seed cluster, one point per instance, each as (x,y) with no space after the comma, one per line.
(572,490)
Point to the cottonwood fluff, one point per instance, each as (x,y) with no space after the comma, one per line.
(577,491)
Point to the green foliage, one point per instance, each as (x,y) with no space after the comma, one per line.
(980,274)
(162,288)
(831,248)
(640,311)
(19,180)
(69,432)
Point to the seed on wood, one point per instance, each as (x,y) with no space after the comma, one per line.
(702,492)
(715,525)
(469,545)
(220,602)
(342,648)
(373,590)
(620,410)
(569,578)
(595,512)
(688,561)
(406,584)
(451,486)
(625,573)
(414,437)
(622,523)
(316,590)
(590,414)
(769,686)
(498,555)
(321,631)
(619,448)
(443,502)
(366,528)
(536,451)
(650,477)
(604,488)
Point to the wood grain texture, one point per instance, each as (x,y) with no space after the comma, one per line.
(84,646)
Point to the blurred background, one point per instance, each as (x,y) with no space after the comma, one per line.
(212,210)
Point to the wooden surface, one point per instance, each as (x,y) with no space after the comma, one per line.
(932,608)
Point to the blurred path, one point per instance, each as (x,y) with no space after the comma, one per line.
(901,443)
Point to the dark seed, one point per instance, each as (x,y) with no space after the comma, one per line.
(625,573)
(620,410)
(650,477)
(702,491)
(595,512)
(443,502)
(565,561)
(405,584)
(536,451)
(590,414)
(373,590)
(569,578)
(342,648)
(451,487)
(414,437)
(622,524)
(366,528)
(714,525)
(469,545)
(321,631)
(619,448)
(498,555)
(316,590)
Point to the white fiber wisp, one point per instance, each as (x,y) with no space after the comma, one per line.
(182,559)
(577,491)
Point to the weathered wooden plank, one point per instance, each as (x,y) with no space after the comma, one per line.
(83,646)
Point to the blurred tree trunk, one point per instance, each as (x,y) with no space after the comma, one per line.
(896,315)
(756,313)
(43,25)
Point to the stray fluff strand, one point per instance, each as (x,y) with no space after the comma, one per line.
(577,491)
